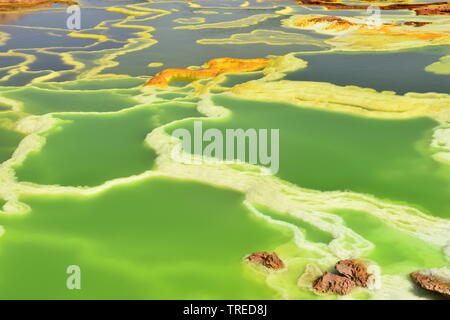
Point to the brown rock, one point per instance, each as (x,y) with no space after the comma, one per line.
(430,279)
(330,283)
(268,260)
(434,10)
(416,23)
(356,270)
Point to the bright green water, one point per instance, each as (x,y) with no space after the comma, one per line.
(9,142)
(395,251)
(131,242)
(310,232)
(99,147)
(9,138)
(337,151)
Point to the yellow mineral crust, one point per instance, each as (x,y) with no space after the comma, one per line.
(269,37)
(330,23)
(213,68)
(193,20)
(4,37)
(23,3)
(441,144)
(363,101)
(361,34)
(240,23)
(440,67)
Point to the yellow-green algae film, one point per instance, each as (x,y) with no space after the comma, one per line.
(88,176)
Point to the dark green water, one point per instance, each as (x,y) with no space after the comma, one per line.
(41,101)
(401,72)
(234,79)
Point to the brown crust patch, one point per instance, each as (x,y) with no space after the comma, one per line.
(416,23)
(434,10)
(431,283)
(355,270)
(330,283)
(266,259)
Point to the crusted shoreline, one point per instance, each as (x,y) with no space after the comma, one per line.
(421,9)
(11,5)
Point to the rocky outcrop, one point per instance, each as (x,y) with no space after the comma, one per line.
(436,280)
(213,68)
(356,270)
(350,274)
(330,283)
(433,8)
(416,23)
(332,22)
(266,259)
(339,24)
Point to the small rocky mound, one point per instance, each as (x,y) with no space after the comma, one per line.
(416,24)
(266,259)
(356,270)
(437,280)
(350,274)
(330,283)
